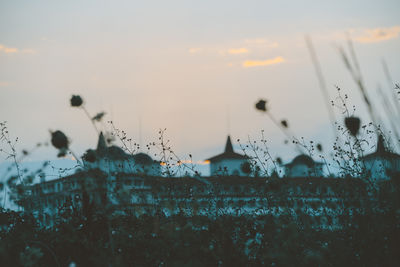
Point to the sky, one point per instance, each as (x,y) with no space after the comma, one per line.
(196,68)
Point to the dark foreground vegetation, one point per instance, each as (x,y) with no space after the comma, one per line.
(370,240)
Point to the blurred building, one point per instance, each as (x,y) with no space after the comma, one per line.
(303,166)
(113,159)
(382,164)
(229,162)
(114,182)
(326,203)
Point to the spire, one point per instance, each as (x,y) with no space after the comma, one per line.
(228,146)
(101,144)
(380,146)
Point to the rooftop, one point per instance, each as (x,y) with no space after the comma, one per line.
(229,153)
(303,159)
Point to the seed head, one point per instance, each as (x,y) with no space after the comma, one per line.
(261,105)
(98,116)
(76,101)
(59,140)
(89,156)
(319,147)
(352,124)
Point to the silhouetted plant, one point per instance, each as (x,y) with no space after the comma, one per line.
(352,124)
(99,116)
(76,101)
(319,147)
(260,159)
(261,105)
(60,141)
(89,156)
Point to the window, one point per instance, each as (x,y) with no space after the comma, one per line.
(324,189)
(314,205)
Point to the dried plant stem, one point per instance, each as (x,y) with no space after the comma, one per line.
(389,113)
(354,69)
(391,85)
(90,118)
(76,158)
(285,132)
(322,84)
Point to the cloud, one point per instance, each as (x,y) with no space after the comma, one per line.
(14,50)
(4,84)
(378,34)
(235,51)
(195,50)
(261,42)
(260,63)
(8,50)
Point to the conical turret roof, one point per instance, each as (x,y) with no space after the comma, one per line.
(228,146)
(101,144)
(229,153)
(382,151)
(380,146)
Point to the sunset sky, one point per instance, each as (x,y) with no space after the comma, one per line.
(194,67)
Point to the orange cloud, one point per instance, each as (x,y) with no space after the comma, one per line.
(261,42)
(8,50)
(259,63)
(378,34)
(4,84)
(14,50)
(235,51)
(195,50)
(199,162)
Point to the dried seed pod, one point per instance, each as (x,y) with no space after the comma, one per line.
(352,124)
(319,147)
(89,156)
(59,140)
(261,105)
(76,101)
(98,116)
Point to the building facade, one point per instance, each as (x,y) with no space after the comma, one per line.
(229,162)
(381,164)
(303,166)
(113,159)
(323,202)
(115,182)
